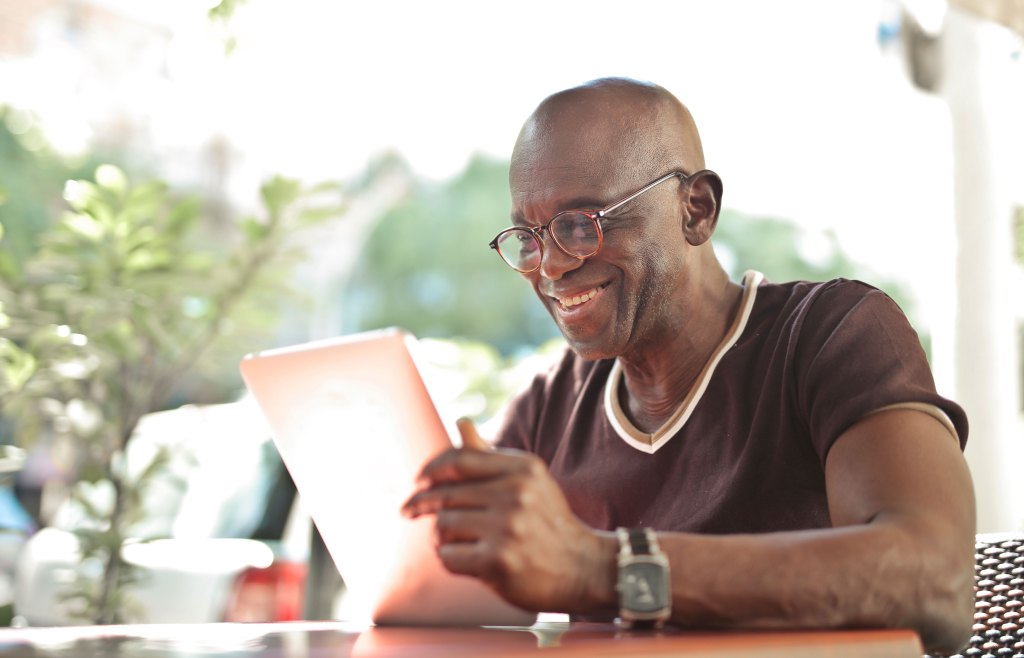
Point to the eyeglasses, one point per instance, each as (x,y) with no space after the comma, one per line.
(576,233)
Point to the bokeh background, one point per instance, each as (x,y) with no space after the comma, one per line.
(878,140)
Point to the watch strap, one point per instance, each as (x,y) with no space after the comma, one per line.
(641,540)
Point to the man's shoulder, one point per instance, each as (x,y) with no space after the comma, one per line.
(811,311)
(833,296)
(833,289)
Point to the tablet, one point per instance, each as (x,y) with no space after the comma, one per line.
(354,423)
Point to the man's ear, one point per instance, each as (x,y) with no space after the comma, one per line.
(703,197)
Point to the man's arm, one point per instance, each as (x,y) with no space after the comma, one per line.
(900,553)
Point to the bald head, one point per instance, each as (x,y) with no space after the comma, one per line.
(640,127)
(614,144)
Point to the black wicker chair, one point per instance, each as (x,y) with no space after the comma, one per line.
(999,598)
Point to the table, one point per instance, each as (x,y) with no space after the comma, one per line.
(336,639)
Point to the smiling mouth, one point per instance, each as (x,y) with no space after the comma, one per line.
(577,300)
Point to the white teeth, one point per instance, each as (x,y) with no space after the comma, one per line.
(569,302)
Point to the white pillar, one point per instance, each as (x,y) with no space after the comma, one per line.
(982,86)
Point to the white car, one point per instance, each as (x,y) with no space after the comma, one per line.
(212,564)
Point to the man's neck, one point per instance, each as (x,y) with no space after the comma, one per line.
(659,374)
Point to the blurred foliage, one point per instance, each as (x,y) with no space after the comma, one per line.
(473,379)
(427,267)
(784,251)
(224,10)
(118,302)
(32,176)
(221,14)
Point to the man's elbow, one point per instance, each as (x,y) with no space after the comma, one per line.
(924,580)
(944,613)
(947,629)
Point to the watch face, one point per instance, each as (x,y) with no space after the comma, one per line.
(643,587)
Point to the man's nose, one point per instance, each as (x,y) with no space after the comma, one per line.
(554,262)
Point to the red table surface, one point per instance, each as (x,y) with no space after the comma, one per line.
(341,639)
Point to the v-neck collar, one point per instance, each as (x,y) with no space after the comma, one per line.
(651,442)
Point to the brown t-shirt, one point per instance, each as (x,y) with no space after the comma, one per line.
(746,450)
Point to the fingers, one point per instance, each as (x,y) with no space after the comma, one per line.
(444,481)
(464,558)
(455,526)
(467,544)
(461,464)
(479,495)
(432,501)
(470,437)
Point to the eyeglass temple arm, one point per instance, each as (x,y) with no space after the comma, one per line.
(618,204)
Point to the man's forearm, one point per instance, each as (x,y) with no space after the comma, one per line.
(877,575)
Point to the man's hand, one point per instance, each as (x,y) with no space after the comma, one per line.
(502,518)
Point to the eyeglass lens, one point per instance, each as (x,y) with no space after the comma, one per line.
(574,233)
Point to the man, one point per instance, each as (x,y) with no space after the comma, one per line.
(785,442)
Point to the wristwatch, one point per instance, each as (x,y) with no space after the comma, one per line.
(644,593)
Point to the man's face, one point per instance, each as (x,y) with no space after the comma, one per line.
(626,296)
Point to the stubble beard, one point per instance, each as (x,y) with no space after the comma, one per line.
(652,314)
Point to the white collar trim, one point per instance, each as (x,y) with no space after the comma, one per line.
(650,443)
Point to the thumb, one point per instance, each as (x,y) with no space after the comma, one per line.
(470,437)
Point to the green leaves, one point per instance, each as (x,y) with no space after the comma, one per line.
(121,299)
(278,193)
(16,367)
(255,230)
(426,266)
(112,178)
(84,225)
